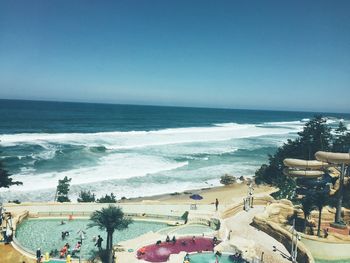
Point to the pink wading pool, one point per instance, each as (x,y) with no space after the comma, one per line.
(161,252)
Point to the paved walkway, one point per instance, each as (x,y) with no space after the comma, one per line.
(10,255)
(240,226)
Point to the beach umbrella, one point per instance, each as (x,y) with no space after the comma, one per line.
(196,197)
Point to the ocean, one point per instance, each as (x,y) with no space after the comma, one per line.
(134,150)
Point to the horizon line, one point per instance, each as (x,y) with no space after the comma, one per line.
(171,106)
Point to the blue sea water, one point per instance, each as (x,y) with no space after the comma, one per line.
(136,150)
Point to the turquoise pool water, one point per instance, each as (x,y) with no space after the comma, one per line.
(209,258)
(332,261)
(46,234)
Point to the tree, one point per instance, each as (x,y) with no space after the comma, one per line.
(86,197)
(307,206)
(63,189)
(107,199)
(315,136)
(342,139)
(5,178)
(320,199)
(110,219)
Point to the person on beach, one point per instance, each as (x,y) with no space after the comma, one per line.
(216,204)
(193,239)
(174,239)
(99,242)
(167,239)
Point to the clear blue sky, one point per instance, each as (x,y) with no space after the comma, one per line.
(292,55)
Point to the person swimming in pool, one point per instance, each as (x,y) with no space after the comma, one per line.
(76,248)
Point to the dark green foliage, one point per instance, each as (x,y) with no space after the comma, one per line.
(16,201)
(307,205)
(215,223)
(227,179)
(185,216)
(5,178)
(86,197)
(320,199)
(107,199)
(315,136)
(342,139)
(299,223)
(63,189)
(110,219)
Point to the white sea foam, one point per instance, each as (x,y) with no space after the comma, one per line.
(134,154)
(134,139)
(111,167)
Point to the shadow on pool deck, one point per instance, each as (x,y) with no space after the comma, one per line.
(161,252)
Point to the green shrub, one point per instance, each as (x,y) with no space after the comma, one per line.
(86,197)
(107,199)
(227,179)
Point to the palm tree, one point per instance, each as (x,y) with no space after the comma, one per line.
(110,219)
(320,200)
(307,206)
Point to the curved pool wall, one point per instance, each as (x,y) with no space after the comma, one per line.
(188,230)
(46,234)
(322,250)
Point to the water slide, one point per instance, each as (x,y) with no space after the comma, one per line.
(335,158)
(305,164)
(303,173)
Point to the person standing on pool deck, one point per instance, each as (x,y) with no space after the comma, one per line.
(99,242)
(38,255)
(216,204)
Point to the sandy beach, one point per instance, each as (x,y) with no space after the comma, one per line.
(226,195)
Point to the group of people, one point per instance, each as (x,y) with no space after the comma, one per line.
(167,239)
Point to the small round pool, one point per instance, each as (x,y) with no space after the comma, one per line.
(46,234)
(210,258)
(161,252)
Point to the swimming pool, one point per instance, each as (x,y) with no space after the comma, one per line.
(209,258)
(161,252)
(46,234)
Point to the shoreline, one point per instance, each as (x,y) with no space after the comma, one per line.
(226,194)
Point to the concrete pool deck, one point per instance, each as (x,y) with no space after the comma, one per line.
(240,227)
(170,209)
(10,255)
